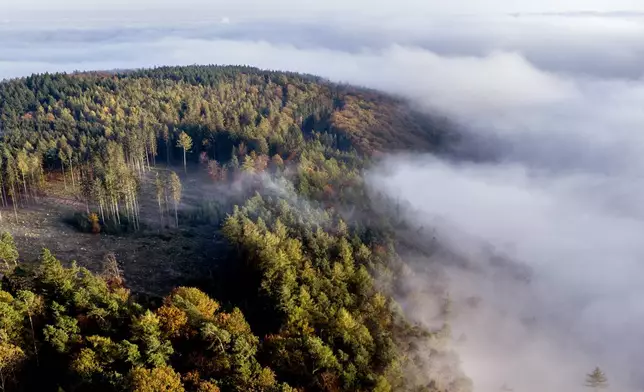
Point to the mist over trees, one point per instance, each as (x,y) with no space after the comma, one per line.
(596,380)
(298,308)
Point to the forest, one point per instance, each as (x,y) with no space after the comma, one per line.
(267,168)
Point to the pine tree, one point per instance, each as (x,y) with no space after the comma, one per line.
(8,250)
(597,380)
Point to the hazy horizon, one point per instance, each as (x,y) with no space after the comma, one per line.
(551,92)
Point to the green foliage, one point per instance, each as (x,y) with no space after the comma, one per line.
(158,379)
(299,312)
(334,325)
(146,331)
(596,379)
(8,250)
(102,131)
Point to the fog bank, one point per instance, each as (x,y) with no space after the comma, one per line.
(552,102)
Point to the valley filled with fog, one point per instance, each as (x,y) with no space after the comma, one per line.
(548,103)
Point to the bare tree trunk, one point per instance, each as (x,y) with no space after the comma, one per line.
(147,157)
(176,214)
(33,335)
(62,168)
(138,211)
(100,207)
(160,210)
(13,201)
(167,151)
(166,207)
(24,183)
(71,165)
(127,208)
(34,188)
(116,209)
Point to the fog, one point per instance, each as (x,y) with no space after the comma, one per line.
(550,101)
(558,192)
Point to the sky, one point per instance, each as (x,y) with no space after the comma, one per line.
(549,93)
(286,6)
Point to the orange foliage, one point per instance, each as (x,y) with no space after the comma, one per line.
(194,382)
(207,386)
(93,219)
(173,320)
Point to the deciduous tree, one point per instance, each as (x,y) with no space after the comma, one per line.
(175,192)
(185,142)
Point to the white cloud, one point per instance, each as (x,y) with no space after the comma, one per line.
(555,99)
(338,6)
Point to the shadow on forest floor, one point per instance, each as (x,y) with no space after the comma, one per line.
(154,260)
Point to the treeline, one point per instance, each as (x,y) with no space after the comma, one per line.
(298,307)
(312,319)
(67,329)
(102,132)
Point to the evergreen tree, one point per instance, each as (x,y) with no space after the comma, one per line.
(8,251)
(596,379)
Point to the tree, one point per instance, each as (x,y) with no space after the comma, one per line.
(158,379)
(277,163)
(23,166)
(184,142)
(596,380)
(175,192)
(8,251)
(215,171)
(10,358)
(160,190)
(146,331)
(31,305)
(249,164)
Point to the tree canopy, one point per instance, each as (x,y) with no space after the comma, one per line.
(298,308)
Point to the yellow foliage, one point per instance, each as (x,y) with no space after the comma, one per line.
(5,297)
(207,386)
(10,355)
(266,379)
(172,319)
(86,363)
(190,297)
(155,380)
(93,220)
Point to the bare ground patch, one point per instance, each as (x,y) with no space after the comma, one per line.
(154,259)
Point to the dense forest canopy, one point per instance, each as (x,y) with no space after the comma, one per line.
(306,302)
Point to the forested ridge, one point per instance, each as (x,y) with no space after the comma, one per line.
(305,302)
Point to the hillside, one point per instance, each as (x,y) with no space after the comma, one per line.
(232,180)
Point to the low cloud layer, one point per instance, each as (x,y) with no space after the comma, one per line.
(602,45)
(558,192)
(551,102)
(581,306)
